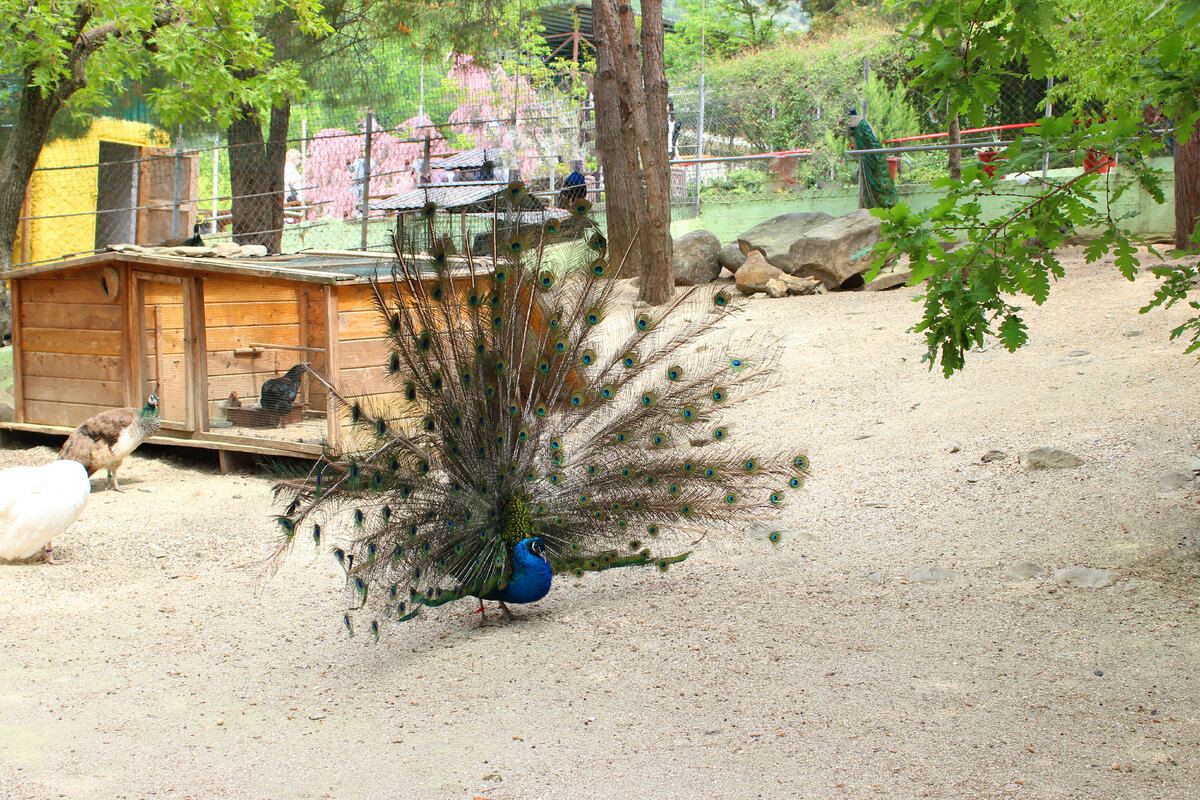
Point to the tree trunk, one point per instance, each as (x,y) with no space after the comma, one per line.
(256,176)
(16,165)
(651,197)
(619,177)
(1187,188)
(954,164)
(659,278)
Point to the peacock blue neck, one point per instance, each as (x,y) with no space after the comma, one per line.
(531,577)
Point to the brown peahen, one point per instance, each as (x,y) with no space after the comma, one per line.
(538,428)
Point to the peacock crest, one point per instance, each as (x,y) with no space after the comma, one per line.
(536,418)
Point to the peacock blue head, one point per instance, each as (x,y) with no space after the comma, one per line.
(535,546)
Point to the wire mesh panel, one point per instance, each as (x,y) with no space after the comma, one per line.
(259,336)
(162,351)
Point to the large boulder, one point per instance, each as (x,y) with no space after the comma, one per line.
(731,257)
(774,238)
(756,275)
(837,251)
(832,249)
(695,258)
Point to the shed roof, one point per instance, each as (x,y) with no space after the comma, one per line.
(308,266)
(468,159)
(451,196)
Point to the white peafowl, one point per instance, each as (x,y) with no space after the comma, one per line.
(37,504)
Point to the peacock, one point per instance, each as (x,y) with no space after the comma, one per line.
(877,189)
(539,426)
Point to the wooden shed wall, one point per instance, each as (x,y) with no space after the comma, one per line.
(72,344)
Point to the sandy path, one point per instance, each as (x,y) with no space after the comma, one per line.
(746,672)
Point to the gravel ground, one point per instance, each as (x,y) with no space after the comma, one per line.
(817,669)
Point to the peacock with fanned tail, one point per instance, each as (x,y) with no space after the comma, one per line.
(537,428)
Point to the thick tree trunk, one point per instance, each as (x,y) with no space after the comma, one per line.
(955,156)
(1187,189)
(256,176)
(622,190)
(659,279)
(16,168)
(652,196)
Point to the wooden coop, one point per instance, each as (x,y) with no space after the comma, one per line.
(106,330)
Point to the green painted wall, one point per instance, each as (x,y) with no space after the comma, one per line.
(1147,218)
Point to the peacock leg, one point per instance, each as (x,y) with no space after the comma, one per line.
(483,620)
(112,481)
(507,614)
(47,555)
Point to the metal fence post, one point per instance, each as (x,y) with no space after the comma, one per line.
(1049,112)
(176,198)
(216,183)
(366,185)
(699,142)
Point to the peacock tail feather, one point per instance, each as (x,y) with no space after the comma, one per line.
(528,402)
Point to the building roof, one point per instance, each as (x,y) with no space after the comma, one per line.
(450,196)
(468,159)
(310,266)
(307,266)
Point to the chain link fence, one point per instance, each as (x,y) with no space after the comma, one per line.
(123,181)
(357,159)
(769,143)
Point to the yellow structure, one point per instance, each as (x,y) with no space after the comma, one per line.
(119,182)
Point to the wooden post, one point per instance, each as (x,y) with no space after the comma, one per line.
(333,413)
(18,379)
(199,352)
(302,310)
(128,350)
(158,345)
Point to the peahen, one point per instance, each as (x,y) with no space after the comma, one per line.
(538,427)
(105,440)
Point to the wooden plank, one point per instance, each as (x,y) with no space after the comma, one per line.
(211,441)
(81,316)
(199,360)
(367,381)
(361,353)
(332,359)
(132,390)
(17,297)
(57,340)
(60,413)
(137,366)
(354,325)
(66,365)
(239,338)
(230,362)
(64,291)
(230,315)
(221,289)
(302,322)
(158,346)
(108,393)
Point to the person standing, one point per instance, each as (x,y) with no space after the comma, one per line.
(574,187)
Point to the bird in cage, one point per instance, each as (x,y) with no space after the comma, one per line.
(278,394)
(539,427)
